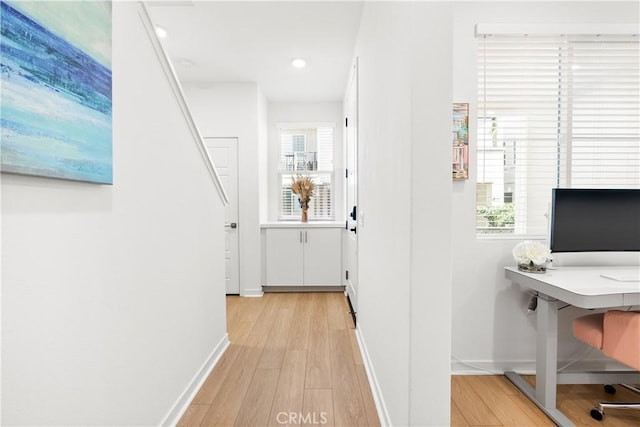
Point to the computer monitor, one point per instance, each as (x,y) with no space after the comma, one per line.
(595,220)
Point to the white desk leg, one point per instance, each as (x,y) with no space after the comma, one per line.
(547,352)
(544,394)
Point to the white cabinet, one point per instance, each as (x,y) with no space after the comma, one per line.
(322,256)
(303,256)
(284,256)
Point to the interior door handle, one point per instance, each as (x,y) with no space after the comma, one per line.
(231,225)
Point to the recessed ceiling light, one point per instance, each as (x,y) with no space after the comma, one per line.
(299,63)
(161,32)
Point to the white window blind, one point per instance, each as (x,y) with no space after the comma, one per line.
(553,112)
(307,151)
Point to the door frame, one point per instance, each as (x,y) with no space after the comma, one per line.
(351,102)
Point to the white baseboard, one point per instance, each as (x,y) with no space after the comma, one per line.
(182,404)
(252,293)
(381,407)
(351,292)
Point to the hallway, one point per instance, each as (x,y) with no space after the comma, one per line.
(293,360)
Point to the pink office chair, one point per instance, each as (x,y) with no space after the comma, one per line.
(617,334)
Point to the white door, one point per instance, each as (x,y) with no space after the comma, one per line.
(351,143)
(224,154)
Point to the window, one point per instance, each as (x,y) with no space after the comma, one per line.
(553,112)
(308,151)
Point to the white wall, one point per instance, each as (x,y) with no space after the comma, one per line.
(431,270)
(232,110)
(299,112)
(404,297)
(490,327)
(263,155)
(113,296)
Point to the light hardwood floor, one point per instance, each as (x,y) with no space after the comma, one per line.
(491,400)
(294,360)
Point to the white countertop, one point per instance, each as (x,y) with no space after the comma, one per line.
(298,224)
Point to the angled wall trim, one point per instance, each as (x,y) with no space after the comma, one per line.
(180,98)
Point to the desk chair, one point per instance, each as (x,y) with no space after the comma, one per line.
(617,334)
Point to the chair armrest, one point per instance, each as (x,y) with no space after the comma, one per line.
(622,337)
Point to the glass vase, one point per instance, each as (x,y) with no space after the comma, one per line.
(532,268)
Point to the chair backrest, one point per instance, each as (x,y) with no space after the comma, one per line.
(589,329)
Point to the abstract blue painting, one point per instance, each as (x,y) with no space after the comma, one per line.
(55,89)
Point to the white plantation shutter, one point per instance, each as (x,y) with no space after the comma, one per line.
(325,148)
(288,201)
(286,143)
(308,151)
(553,112)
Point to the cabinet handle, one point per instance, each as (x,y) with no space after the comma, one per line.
(300,236)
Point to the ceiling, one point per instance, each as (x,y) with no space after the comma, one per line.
(240,41)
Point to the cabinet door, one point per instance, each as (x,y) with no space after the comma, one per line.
(322,256)
(284,257)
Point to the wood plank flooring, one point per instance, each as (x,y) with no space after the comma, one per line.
(294,360)
(491,400)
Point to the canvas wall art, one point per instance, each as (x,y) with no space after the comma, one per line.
(55,89)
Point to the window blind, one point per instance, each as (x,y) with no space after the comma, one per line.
(553,111)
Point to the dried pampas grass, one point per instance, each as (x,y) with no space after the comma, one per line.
(303,186)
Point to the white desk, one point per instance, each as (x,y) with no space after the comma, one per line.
(582,287)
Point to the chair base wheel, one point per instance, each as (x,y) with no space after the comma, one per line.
(609,389)
(597,414)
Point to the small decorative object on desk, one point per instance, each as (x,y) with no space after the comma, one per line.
(532,257)
(303,186)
